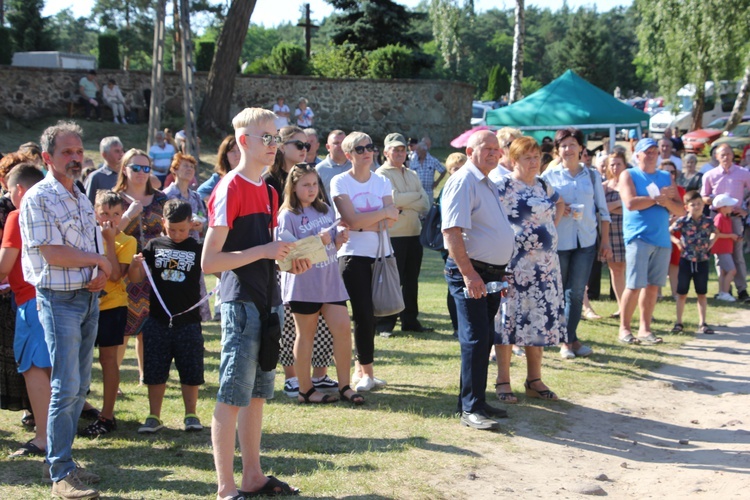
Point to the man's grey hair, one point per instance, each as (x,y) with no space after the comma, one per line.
(50,134)
(311,131)
(106,144)
(690,156)
(421,146)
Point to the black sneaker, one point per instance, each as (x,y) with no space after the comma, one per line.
(325,382)
(742,296)
(99,427)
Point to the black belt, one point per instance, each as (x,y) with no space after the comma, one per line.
(487,268)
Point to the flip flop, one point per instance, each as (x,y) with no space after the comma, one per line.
(28,449)
(629,339)
(650,339)
(677,328)
(272,488)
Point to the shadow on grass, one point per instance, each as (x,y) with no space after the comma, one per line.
(332,444)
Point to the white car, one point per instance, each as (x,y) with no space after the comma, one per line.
(479,114)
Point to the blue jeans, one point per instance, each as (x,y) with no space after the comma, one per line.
(70,323)
(476,332)
(575,267)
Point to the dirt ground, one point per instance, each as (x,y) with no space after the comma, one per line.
(684,432)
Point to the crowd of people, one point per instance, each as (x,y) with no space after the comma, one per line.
(123,254)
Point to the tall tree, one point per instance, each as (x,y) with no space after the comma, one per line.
(691,41)
(71,34)
(214,113)
(740,104)
(371,24)
(447,18)
(28,29)
(517,70)
(132,20)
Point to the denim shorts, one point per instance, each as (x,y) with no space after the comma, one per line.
(646,264)
(28,343)
(240,376)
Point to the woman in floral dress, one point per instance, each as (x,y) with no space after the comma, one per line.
(534,313)
(142,220)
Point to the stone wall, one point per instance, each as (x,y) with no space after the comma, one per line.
(440,109)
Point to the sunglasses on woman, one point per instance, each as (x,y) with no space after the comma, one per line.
(300,145)
(361,149)
(137,168)
(268,139)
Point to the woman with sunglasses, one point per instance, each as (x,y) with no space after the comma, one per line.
(364,202)
(143,220)
(292,150)
(227,159)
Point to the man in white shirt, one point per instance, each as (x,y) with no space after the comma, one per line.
(87,88)
(282,113)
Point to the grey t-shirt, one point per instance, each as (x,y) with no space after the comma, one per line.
(101,178)
(471,201)
(323,282)
(328,169)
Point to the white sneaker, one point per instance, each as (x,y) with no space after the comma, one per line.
(566,352)
(365,384)
(583,351)
(379,382)
(291,387)
(726,297)
(116,120)
(355,378)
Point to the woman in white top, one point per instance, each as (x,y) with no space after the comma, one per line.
(114,99)
(364,202)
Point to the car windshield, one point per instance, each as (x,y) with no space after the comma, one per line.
(686,103)
(718,123)
(742,130)
(477,112)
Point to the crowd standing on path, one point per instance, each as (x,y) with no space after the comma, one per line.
(116,256)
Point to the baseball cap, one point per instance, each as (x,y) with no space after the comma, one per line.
(393,140)
(724,200)
(645,144)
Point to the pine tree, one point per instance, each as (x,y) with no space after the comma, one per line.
(28,29)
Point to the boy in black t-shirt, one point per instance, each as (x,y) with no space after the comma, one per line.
(175,333)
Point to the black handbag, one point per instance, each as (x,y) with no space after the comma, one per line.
(432,235)
(270,326)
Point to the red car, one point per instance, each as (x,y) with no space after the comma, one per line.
(696,141)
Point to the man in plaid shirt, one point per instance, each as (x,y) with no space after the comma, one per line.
(425,165)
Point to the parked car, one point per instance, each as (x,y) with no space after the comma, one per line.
(654,105)
(738,139)
(479,113)
(696,141)
(718,102)
(637,103)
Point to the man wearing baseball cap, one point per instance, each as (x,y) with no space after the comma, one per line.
(733,181)
(412,201)
(648,197)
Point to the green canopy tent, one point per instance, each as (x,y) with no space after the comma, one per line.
(568,101)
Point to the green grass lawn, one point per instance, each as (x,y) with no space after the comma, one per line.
(393,447)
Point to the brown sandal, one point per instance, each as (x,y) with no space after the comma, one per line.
(505,397)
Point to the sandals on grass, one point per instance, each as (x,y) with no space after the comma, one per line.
(505,397)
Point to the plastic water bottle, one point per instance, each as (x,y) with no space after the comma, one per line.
(492,287)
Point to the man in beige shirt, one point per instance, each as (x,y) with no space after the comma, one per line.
(412,201)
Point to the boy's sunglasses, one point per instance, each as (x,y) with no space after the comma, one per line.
(137,168)
(361,149)
(268,139)
(300,145)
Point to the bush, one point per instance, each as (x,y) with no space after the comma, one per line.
(339,61)
(258,67)
(109,51)
(288,59)
(6,46)
(498,83)
(391,61)
(204,54)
